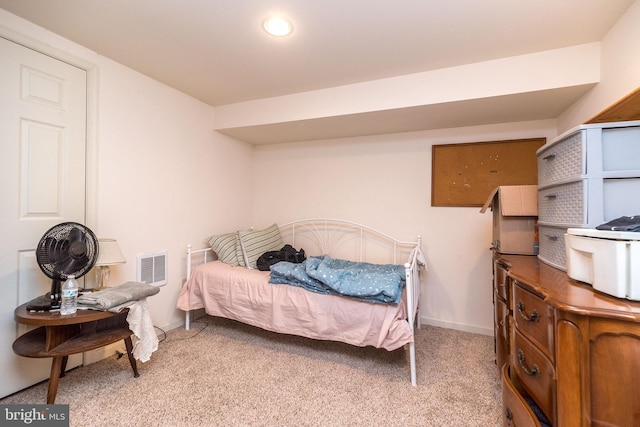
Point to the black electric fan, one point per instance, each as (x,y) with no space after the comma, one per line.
(65,249)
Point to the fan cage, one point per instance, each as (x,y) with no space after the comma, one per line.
(67,249)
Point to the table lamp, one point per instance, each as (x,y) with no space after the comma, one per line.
(108,254)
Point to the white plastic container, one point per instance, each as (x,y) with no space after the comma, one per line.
(608,260)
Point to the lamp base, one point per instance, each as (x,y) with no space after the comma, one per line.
(102,274)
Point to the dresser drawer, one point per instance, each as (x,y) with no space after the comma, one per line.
(621,150)
(515,410)
(616,200)
(500,286)
(562,159)
(552,246)
(534,319)
(563,204)
(591,151)
(535,372)
(502,319)
(502,325)
(588,202)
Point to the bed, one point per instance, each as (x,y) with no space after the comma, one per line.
(223,280)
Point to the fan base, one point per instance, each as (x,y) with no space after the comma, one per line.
(41,303)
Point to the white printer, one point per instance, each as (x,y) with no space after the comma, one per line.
(608,260)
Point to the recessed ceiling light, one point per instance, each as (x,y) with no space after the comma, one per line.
(277,26)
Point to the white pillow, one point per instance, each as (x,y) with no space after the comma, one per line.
(255,243)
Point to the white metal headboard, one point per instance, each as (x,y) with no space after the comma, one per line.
(328,234)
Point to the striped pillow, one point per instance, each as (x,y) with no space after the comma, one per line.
(239,252)
(255,243)
(226,248)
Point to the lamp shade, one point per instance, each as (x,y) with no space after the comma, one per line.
(109,253)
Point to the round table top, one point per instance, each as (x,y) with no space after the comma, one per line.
(54,318)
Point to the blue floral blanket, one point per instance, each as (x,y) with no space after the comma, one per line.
(381,283)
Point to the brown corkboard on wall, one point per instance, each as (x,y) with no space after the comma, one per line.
(464,174)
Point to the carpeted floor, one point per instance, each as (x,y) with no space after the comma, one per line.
(223,373)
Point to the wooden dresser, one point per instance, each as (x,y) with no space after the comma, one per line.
(563,349)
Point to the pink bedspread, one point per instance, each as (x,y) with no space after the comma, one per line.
(247,296)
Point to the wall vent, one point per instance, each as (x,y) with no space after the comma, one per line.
(152,268)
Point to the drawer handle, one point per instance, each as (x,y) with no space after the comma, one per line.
(533,372)
(534,316)
(502,285)
(549,156)
(551,196)
(553,237)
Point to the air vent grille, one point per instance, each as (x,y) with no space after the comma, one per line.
(152,268)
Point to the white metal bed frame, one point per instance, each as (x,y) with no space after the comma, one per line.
(328,234)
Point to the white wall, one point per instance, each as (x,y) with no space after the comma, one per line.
(540,71)
(385,182)
(159,176)
(620,73)
(165,178)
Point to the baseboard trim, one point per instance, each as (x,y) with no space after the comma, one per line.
(174,325)
(457,326)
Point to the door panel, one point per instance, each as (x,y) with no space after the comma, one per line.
(41,149)
(42,183)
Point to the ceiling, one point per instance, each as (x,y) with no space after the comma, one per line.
(217,52)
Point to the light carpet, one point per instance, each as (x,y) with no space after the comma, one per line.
(223,373)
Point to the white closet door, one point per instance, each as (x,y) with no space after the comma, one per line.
(42,183)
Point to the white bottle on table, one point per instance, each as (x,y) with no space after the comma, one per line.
(69,301)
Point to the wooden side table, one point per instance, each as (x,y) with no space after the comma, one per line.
(59,336)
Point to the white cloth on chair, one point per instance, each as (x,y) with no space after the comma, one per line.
(140,323)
